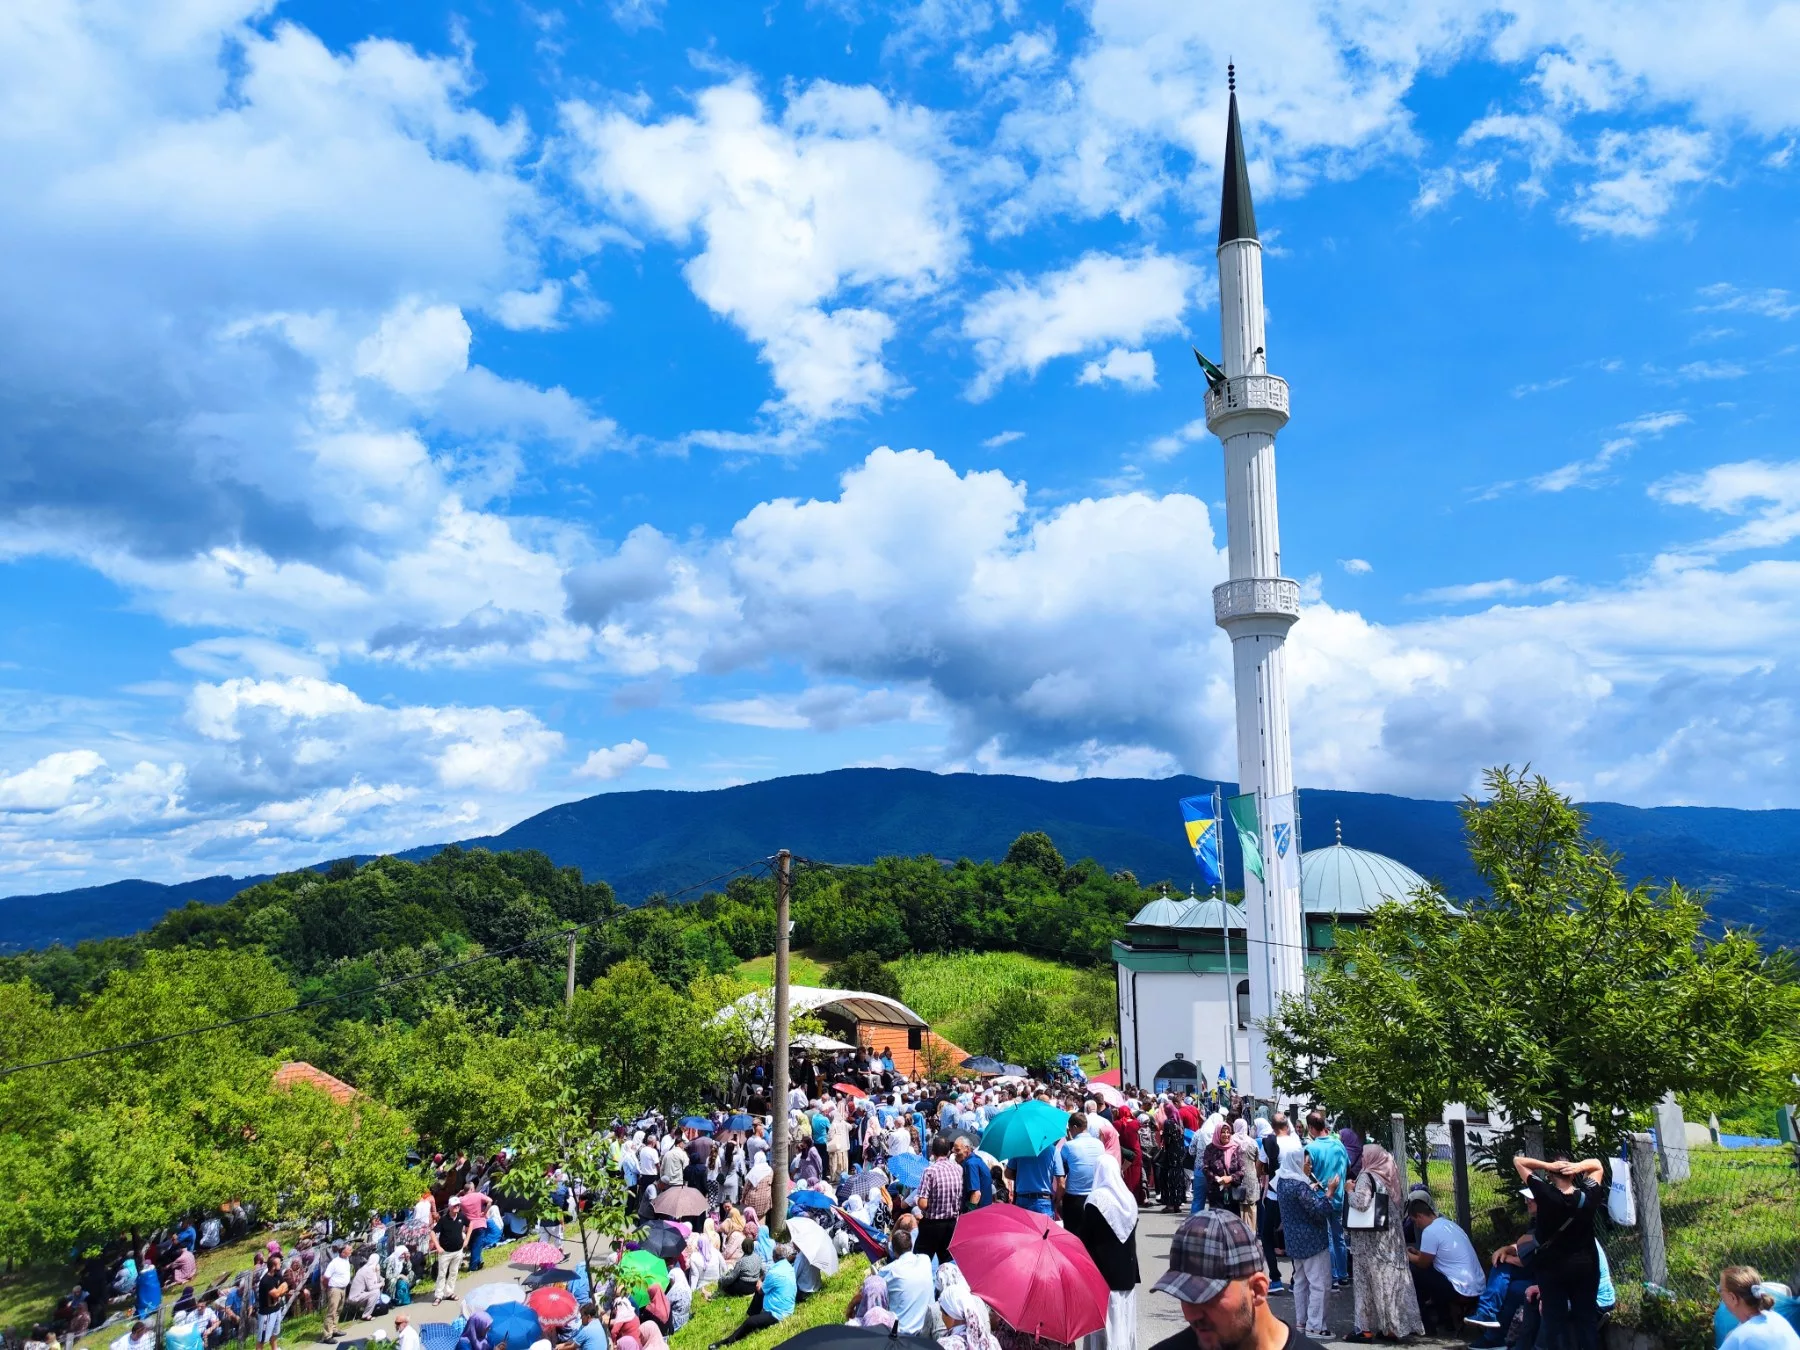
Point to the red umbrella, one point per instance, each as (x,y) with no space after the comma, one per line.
(849,1089)
(1031,1271)
(553,1304)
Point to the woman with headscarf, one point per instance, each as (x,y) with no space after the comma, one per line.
(1353,1149)
(1107,1227)
(966,1317)
(1304,1207)
(1387,1307)
(758,1184)
(1243,1140)
(1171,1158)
(475,1331)
(1131,1157)
(870,1306)
(1223,1167)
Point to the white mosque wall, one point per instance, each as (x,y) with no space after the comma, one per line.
(1161,1013)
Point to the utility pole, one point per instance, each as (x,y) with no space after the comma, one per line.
(569,983)
(778,1146)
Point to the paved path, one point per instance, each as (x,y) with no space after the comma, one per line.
(1159,1315)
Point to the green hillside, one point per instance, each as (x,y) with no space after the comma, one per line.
(1017,1008)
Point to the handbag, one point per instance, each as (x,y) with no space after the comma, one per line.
(1375,1217)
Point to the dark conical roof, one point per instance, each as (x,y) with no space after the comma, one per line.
(1237,217)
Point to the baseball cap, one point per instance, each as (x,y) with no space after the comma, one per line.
(1209,1251)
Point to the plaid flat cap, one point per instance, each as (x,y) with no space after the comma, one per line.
(1209,1251)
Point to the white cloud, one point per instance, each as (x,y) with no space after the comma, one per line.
(1101,299)
(1001,438)
(1167,447)
(1589,472)
(618,760)
(1769,302)
(821,708)
(1134,370)
(1504,589)
(1711,370)
(1640,176)
(522,310)
(814,228)
(1356,567)
(1767,491)
(417,349)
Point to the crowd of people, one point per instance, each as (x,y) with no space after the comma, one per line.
(895,1168)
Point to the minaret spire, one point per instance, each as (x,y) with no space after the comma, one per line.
(1257,604)
(1237,216)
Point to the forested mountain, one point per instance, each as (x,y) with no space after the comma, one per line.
(643,843)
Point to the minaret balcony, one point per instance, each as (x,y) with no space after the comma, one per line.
(1264,397)
(1272,600)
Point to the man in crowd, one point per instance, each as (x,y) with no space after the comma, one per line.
(940,1200)
(337,1283)
(1073,1169)
(978,1178)
(271,1303)
(1329,1160)
(911,1292)
(774,1300)
(1216,1271)
(448,1240)
(1444,1265)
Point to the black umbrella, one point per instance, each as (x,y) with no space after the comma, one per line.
(855,1338)
(664,1240)
(985,1065)
(1015,1070)
(973,1136)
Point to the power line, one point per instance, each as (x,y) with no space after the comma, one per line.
(560,935)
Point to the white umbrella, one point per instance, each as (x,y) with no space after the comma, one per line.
(815,1244)
(487,1295)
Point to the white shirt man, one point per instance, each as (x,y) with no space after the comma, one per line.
(1453,1255)
(911,1292)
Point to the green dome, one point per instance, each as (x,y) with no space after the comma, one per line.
(1342,880)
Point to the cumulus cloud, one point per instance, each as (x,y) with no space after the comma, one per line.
(1356,567)
(616,761)
(813,227)
(1099,300)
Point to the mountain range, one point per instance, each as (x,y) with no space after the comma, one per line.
(661,841)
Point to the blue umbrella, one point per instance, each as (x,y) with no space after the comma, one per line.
(809,1200)
(1016,1070)
(740,1122)
(515,1324)
(907,1169)
(438,1336)
(983,1064)
(700,1123)
(1024,1131)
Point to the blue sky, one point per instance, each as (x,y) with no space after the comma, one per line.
(404,428)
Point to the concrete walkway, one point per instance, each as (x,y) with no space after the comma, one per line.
(1159,1315)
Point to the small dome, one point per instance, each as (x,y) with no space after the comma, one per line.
(1210,914)
(1341,880)
(1160,913)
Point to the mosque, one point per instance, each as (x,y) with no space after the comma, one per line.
(1184,999)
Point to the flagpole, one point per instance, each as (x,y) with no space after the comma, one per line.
(1225,934)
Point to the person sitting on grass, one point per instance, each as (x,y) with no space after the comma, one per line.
(773,1301)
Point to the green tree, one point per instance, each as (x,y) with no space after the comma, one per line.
(1033,849)
(1563,992)
(869,973)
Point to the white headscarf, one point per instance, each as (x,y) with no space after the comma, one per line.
(1113,1198)
(956,1300)
(1293,1162)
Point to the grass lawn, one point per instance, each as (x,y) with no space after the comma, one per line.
(952,992)
(802,969)
(716,1318)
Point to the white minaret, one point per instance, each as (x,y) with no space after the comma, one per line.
(1258,605)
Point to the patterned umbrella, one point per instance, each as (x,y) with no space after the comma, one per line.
(554,1305)
(493,1295)
(865,1182)
(907,1169)
(538,1254)
(438,1336)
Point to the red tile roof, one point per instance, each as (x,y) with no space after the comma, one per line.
(299,1071)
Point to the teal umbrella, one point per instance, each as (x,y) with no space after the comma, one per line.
(1024,1131)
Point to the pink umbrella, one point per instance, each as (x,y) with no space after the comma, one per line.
(537,1254)
(1031,1271)
(1107,1093)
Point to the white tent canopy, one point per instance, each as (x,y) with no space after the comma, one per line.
(756,1010)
